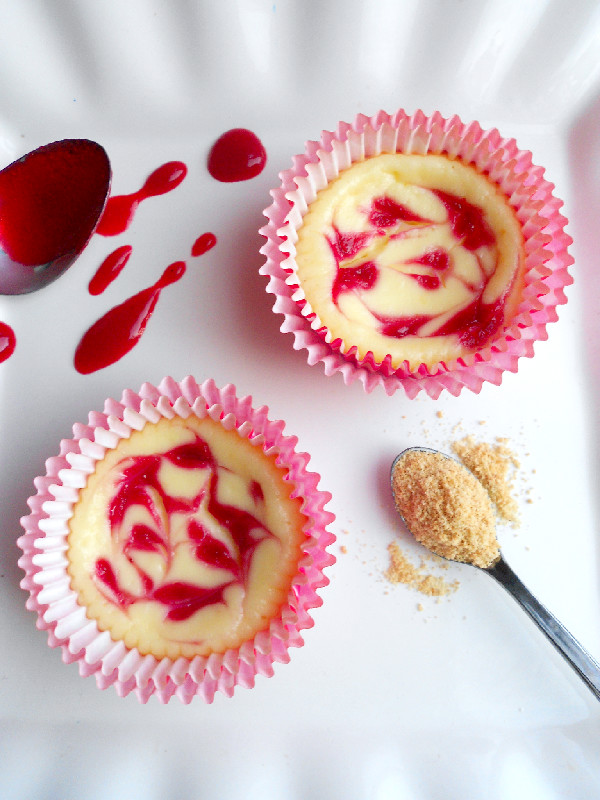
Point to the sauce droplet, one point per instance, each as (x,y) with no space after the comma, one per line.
(8,341)
(203,243)
(119,330)
(237,155)
(120,210)
(109,269)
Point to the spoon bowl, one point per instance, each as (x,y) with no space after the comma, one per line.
(566,644)
(50,203)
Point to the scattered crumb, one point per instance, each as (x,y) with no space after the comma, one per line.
(401,570)
(419,606)
(343,549)
(494,466)
(440,414)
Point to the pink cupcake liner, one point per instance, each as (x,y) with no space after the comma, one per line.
(546,246)
(44,546)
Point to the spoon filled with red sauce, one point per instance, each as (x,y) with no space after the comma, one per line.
(50,202)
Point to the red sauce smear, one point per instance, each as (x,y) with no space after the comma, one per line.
(105,574)
(203,244)
(8,341)
(474,325)
(140,484)
(386,212)
(57,191)
(237,155)
(347,245)
(351,278)
(430,282)
(120,210)
(437,258)
(120,329)
(110,269)
(467,221)
(399,327)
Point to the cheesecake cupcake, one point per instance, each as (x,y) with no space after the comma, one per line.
(177,543)
(415,252)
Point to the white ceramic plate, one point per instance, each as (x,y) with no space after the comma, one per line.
(462,699)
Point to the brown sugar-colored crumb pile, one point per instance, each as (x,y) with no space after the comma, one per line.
(401,570)
(445,507)
(493,465)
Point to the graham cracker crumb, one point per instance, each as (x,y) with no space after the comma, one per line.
(401,570)
(445,507)
(491,464)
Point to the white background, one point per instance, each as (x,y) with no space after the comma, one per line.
(463,699)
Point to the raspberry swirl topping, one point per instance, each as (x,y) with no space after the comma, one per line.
(410,248)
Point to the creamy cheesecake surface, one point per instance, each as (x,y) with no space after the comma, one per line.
(419,257)
(185,539)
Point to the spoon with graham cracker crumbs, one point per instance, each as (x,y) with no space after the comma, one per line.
(448,510)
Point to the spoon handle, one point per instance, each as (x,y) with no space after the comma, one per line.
(566,644)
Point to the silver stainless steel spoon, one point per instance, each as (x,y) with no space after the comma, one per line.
(50,203)
(566,644)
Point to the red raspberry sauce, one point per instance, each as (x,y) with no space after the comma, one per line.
(8,341)
(120,329)
(237,155)
(109,269)
(120,210)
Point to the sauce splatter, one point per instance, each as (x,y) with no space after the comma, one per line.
(120,210)
(203,244)
(119,330)
(8,341)
(386,212)
(237,155)
(109,269)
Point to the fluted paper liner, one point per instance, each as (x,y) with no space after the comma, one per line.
(44,546)
(546,246)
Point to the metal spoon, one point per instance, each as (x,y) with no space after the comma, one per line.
(50,203)
(566,644)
